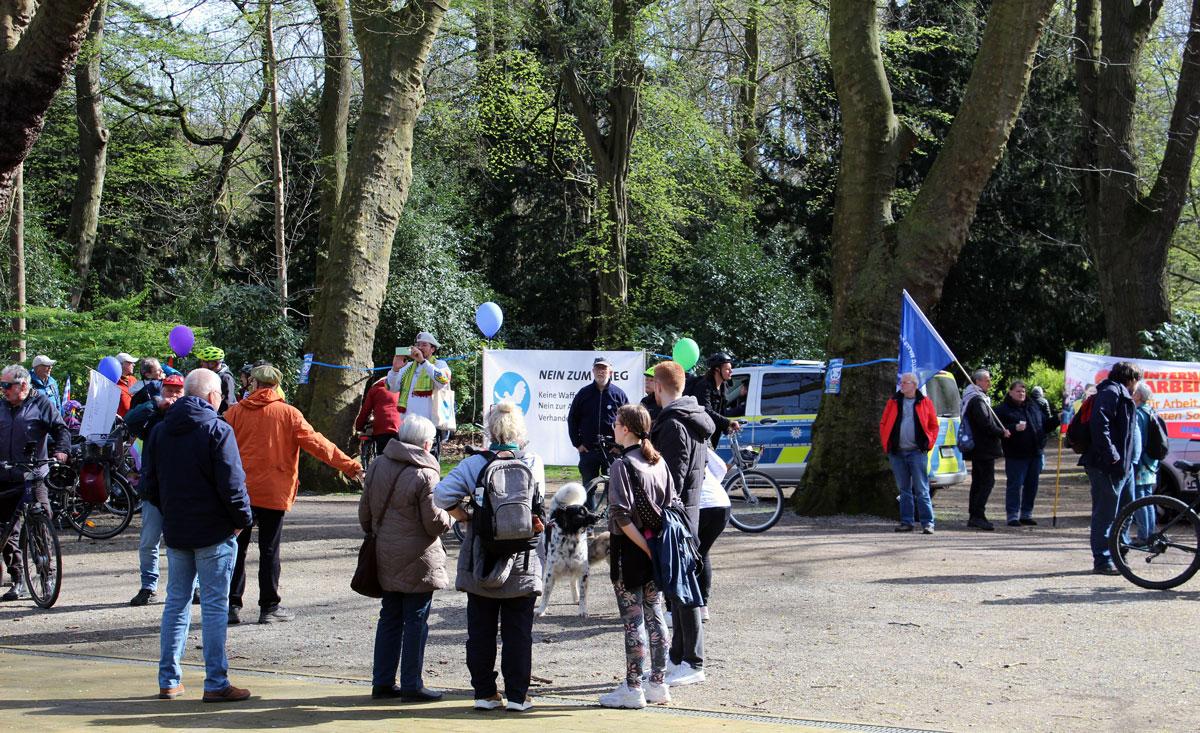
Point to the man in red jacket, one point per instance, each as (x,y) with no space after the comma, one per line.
(908,430)
(379,405)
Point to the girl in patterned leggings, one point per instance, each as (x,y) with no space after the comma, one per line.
(638,489)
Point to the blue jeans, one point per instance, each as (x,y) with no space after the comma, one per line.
(1022,486)
(1145,517)
(1109,493)
(400,637)
(151,537)
(911,469)
(214,566)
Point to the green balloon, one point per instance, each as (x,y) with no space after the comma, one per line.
(686,353)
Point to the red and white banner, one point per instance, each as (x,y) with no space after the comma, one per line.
(1176,386)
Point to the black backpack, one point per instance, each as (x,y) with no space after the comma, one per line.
(510,499)
(1156,445)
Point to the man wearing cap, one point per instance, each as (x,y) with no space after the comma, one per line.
(419,382)
(591,418)
(126,382)
(709,392)
(141,420)
(213,359)
(270,434)
(41,381)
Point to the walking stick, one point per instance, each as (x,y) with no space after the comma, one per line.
(1057,481)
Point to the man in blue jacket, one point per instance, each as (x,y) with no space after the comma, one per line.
(192,472)
(591,417)
(1109,459)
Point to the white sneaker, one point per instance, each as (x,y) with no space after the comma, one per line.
(519,707)
(623,696)
(489,703)
(685,674)
(704,613)
(658,693)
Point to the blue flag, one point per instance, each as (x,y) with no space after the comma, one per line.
(922,350)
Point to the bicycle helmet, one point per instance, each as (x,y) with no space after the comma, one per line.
(718,359)
(210,353)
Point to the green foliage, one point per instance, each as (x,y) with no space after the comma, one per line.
(1049,378)
(247,322)
(1175,341)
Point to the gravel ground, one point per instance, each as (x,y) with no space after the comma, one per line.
(833,619)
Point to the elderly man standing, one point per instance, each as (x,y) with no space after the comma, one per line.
(420,381)
(270,434)
(42,382)
(591,418)
(26,419)
(192,472)
(908,430)
(987,431)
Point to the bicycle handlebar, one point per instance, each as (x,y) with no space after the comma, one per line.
(28,465)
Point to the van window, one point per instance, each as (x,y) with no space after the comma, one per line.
(735,395)
(792,393)
(944,393)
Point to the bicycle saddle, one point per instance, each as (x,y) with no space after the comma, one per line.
(1189,466)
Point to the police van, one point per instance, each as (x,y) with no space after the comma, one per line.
(778,404)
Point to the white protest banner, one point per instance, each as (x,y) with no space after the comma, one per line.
(543,383)
(1176,386)
(103,398)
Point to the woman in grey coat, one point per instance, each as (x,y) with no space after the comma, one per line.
(508,603)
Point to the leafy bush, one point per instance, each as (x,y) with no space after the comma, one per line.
(1176,341)
(247,322)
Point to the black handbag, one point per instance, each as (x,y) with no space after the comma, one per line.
(366,574)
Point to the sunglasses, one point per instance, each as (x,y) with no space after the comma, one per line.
(8,385)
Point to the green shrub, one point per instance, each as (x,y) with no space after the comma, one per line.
(247,322)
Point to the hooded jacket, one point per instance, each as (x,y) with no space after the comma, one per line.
(408,545)
(29,422)
(1112,424)
(270,434)
(985,428)
(192,472)
(680,434)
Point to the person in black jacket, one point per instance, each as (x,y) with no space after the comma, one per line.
(192,471)
(709,392)
(591,418)
(987,432)
(650,401)
(1026,425)
(1109,459)
(680,434)
(26,418)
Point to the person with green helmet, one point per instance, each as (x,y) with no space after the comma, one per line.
(213,358)
(649,402)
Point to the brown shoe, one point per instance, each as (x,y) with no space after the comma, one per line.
(229,694)
(170,693)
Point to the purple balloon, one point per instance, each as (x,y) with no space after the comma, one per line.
(110,367)
(181,340)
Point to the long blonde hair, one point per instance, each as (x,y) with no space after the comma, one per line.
(636,420)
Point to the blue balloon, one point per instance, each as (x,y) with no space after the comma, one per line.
(489,318)
(110,367)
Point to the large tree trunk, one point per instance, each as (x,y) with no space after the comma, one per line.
(1129,230)
(36,50)
(394,45)
(875,258)
(93,155)
(747,125)
(333,122)
(272,84)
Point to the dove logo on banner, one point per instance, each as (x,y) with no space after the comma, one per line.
(543,384)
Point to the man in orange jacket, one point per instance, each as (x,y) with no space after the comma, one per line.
(270,434)
(908,430)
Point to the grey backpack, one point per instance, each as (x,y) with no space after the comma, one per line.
(504,519)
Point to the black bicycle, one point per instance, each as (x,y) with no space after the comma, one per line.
(92,491)
(597,488)
(755,499)
(1155,541)
(41,555)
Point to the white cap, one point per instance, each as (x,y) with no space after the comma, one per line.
(42,360)
(126,358)
(428,338)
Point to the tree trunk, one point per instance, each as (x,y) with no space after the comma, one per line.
(1129,230)
(394,45)
(272,84)
(333,122)
(36,50)
(93,155)
(874,258)
(747,125)
(16,249)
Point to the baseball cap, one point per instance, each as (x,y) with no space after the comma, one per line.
(42,360)
(602,360)
(175,380)
(126,358)
(428,338)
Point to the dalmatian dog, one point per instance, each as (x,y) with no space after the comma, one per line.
(567,556)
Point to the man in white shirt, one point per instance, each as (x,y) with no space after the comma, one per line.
(420,381)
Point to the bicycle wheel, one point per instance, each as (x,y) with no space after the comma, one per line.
(597,496)
(1170,553)
(42,559)
(755,499)
(105,520)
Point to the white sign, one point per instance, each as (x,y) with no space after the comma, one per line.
(543,383)
(1176,387)
(103,399)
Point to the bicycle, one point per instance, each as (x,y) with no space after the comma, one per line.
(1164,555)
(755,499)
(91,491)
(41,555)
(366,449)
